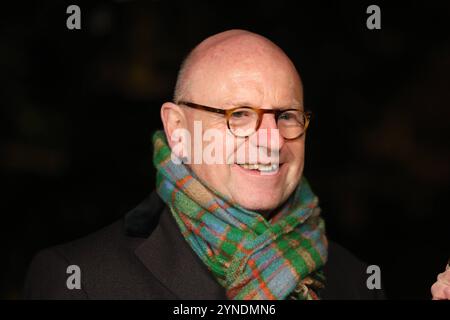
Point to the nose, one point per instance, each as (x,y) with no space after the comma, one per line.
(269,127)
(268,139)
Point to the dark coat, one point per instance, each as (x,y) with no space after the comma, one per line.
(144,256)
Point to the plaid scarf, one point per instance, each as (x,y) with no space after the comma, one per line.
(249,256)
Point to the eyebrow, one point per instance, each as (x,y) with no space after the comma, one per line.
(244,103)
(238,103)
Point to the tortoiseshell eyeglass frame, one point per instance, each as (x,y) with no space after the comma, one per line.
(260,112)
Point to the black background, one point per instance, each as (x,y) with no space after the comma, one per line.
(79,107)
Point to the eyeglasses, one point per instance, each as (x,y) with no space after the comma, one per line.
(244,121)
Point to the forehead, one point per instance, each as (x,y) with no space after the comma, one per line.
(255,79)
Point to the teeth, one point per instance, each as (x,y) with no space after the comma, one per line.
(261,167)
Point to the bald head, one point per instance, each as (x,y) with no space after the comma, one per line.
(232,51)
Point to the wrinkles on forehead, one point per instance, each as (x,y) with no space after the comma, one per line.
(239,65)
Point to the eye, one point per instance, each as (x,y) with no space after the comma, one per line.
(287,116)
(291,117)
(241,114)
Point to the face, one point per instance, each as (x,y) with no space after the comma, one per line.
(265,82)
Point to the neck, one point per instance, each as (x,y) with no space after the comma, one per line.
(269,213)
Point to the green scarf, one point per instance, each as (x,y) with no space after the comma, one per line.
(249,256)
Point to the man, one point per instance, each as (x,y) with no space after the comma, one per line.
(244,226)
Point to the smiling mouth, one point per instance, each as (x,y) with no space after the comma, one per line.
(263,168)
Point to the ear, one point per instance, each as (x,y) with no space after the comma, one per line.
(173,118)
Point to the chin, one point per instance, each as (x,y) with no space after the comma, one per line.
(258,203)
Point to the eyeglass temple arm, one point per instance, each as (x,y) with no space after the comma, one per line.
(202,107)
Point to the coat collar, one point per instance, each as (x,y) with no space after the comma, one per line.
(167,255)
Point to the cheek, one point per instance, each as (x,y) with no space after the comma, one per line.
(214,175)
(300,157)
(297,162)
(297,149)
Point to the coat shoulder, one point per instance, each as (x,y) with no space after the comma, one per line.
(108,265)
(346,276)
(106,258)
(50,269)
